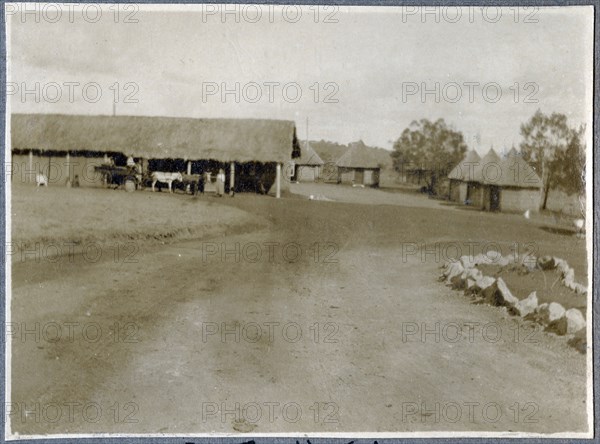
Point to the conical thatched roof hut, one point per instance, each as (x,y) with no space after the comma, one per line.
(517,189)
(498,184)
(468,164)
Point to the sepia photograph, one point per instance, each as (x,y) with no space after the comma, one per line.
(299,222)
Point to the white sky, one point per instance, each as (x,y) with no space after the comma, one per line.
(370,55)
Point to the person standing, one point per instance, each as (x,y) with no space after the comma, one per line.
(221,182)
(201,184)
(138,174)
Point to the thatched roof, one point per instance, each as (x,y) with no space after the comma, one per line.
(465,167)
(309,156)
(516,172)
(224,140)
(358,155)
(487,168)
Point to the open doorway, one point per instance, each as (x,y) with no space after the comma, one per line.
(494,198)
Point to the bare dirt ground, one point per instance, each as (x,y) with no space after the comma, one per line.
(367,195)
(355,336)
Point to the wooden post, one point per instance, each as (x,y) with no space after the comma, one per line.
(68,165)
(232,179)
(278,181)
(105,176)
(189,167)
(30,172)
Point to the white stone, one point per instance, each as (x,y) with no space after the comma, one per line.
(570,323)
(493,256)
(484,282)
(448,267)
(550,312)
(474,274)
(504,296)
(575,320)
(455,269)
(568,277)
(561,265)
(527,305)
(480,259)
(467,262)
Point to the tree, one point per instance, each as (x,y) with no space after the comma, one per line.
(570,177)
(429,148)
(556,152)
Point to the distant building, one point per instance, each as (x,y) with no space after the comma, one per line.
(518,188)
(357,166)
(492,183)
(307,168)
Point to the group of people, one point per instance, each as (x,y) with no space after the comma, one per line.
(207,177)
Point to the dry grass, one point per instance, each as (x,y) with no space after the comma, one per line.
(58,215)
(546,284)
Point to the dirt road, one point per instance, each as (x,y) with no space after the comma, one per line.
(338,326)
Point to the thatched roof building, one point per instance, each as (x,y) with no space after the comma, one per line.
(498,184)
(358,166)
(358,155)
(257,149)
(223,140)
(307,168)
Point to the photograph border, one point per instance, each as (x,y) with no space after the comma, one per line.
(592,183)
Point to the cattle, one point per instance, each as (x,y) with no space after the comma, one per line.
(168,178)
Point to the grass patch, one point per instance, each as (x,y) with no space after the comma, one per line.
(59,215)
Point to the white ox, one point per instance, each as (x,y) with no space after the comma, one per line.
(168,178)
(41,180)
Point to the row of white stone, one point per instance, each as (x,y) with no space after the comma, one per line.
(463,275)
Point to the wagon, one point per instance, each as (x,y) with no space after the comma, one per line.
(116,176)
